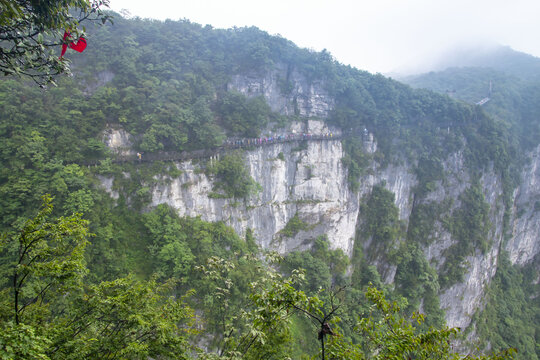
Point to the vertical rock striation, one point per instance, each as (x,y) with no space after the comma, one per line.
(309,181)
(286,91)
(524,244)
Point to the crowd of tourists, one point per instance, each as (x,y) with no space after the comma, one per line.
(241,142)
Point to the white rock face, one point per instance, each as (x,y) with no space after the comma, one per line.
(100,79)
(107,184)
(119,141)
(462,300)
(302,97)
(370,145)
(311,183)
(457,180)
(524,244)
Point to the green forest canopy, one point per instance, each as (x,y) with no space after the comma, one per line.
(165,83)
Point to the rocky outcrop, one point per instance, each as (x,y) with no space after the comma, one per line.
(462,300)
(310,182)
(287,91)
(99,80)
(118,141)
(524,244)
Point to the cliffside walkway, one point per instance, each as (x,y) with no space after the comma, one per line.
(483,101)
(487,98)
(228,145)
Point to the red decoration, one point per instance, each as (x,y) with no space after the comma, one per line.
(64,45)
(79,45)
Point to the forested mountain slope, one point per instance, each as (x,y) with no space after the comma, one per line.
(431,198)
(510,79)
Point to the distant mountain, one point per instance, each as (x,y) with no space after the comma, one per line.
(510,79)
(496,57)
(501,58)
(415,189)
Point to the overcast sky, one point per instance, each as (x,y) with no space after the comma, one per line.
(374,35)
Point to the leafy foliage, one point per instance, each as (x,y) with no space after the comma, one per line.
(129,318)
(48,313)
(417,281)
(232,178)
(260,327)
(381,222)
(505,322)
(469,225)
(294,226)
(242,116)
(29,30)
(125,318)
(513,97)
(172,255)
(423,219)
(43,257)
(324,267)
(356,161)
(391,336)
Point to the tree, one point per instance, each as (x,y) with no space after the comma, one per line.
(124,319)
(260,324)
(389,335)
(254,324)
(324,315)
(232,178)
(30,31)
(42,258)
(47,312)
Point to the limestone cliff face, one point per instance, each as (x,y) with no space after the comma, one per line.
(286,91)
(311,183)
(463,299)
(118,141)
(524,244)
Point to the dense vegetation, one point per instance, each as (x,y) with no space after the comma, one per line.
(510,80)
(166,84)
(232,179)
(469,225)
(511,316)
(50,311)
(514,100)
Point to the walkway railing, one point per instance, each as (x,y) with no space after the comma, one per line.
(229,145)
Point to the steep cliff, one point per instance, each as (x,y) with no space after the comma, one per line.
(428,196)
(524,244)
(310,182)
(286,91)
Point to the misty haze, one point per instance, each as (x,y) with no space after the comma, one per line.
(249,180)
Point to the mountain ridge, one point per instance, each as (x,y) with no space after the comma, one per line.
(423,196)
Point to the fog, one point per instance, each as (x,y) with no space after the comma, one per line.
(386,36)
